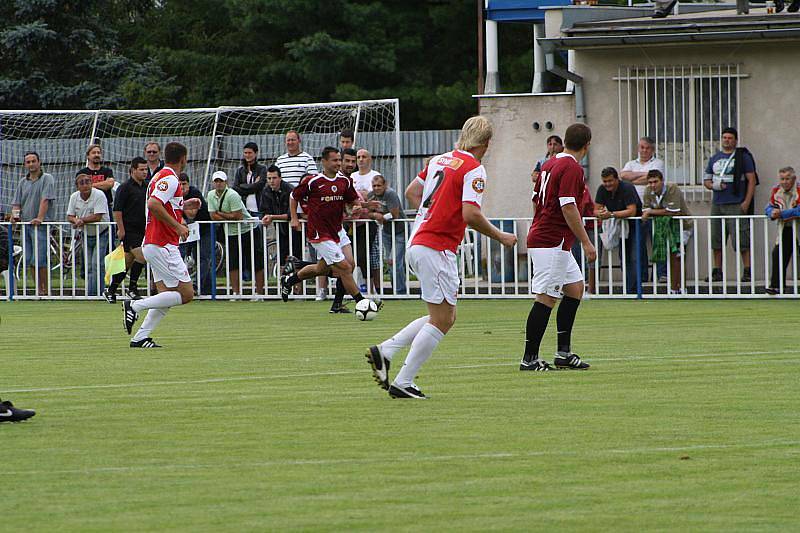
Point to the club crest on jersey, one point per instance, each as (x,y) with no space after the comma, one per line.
(162,185)
(334,188)
(478,184)
(452,162)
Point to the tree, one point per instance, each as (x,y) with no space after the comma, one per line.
(59,54)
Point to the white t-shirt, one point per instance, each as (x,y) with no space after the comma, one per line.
(637,166)
(363,182)
(294,167)
(95,204)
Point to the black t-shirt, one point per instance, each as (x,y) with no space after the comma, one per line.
(151,173)
(130,200)
(620,199)
(101,174)
(202,213)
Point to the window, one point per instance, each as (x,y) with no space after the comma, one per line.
(682,107)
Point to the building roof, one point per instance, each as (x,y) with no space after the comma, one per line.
(707,26)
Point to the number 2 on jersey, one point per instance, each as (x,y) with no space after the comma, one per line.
(438,179)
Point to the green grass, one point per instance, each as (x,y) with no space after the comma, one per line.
(264,416)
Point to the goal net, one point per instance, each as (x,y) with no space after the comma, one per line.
(214,136)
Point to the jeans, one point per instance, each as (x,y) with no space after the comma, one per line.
(95,249)
(399,266)
(788,251)
(204,267)
(631,253)
(36,245)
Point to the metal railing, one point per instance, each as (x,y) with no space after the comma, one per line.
(231,266)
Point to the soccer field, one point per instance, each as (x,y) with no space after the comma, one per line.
(264,416)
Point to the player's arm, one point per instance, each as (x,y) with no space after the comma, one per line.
(474,218)
(157,209)
(575,222)
(414,193)
(294,222)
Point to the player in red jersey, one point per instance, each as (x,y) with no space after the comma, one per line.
(163,232)
(452,195)
(556,224)
(324,197)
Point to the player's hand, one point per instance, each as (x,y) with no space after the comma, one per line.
(183,232)
(508,239)
(120,234)
(590,252)
(192,203)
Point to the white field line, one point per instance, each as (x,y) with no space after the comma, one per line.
(354,372)
(406,458)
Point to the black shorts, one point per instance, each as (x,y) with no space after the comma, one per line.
(132,241)
(256,251)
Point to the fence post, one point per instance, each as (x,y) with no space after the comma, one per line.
(213,261)
(10,288)
(637,258)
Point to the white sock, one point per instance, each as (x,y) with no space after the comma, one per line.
(162,300)
(402,338)
(421,349)
(152,319)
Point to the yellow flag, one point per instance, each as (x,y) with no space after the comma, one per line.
(115,262)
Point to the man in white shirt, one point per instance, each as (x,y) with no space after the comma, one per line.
(88,213)
(295,163)
(635,171)
(362,180)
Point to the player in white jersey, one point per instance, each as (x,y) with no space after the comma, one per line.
(163,232)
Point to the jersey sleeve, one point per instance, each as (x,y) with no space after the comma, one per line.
(301,190)
(119,198)
(350,195)
(474,184)
(166,189)
(422,175)
(570,188)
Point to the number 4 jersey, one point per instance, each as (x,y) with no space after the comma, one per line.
(560,183)
(449,180)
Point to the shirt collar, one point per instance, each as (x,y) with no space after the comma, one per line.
(564,154)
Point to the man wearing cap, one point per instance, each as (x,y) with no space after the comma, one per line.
(225,205)
(250,179)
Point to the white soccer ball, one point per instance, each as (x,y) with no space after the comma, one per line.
(366,309)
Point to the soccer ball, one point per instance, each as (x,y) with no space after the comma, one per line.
(366,309)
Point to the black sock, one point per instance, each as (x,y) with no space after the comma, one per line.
(136,269)
(565,318)
(357,297)
(534,330)
(293,279)
(338,296)
(116,279)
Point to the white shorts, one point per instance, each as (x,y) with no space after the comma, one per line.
(329,251)
(344,240)
(166,264)
(437,273)
(552,269)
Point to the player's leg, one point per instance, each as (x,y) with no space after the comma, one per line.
(143,338)
(546,285)
(572,287)
(137,266)
(338,298)
(110,292)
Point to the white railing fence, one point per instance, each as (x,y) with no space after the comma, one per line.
(71,263)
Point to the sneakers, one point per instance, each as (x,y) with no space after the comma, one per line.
(286,289)
(145,343)
(340,309)
(772,291)
(569,361)
(322,294)
(716,275)
(537,365)
(129,316)
(110,295)
(133,293)
(290,267)
(406,392)
(380,367)
(9,413)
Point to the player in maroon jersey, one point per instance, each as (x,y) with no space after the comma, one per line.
(324,197)
(163,232)
(452,194)
(556,224)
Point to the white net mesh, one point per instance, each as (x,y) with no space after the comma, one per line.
(215,138)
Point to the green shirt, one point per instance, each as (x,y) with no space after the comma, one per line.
(231,203)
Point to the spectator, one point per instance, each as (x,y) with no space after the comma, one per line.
(635,171)
(662,201)
(250,179)
(102,177)
(731,175)
(206,244)
(586,207)
(346,139)
(783,207)
(225,204)
(88,213)
(387,211)
(362,180)
(33,202)
(152,153)
(364,238)
(295,163)
(129,214)
(617,200)
(554,146)
(275,206)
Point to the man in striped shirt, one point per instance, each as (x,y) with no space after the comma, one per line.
(295,163)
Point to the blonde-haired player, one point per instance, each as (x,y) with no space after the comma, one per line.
(452,188)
